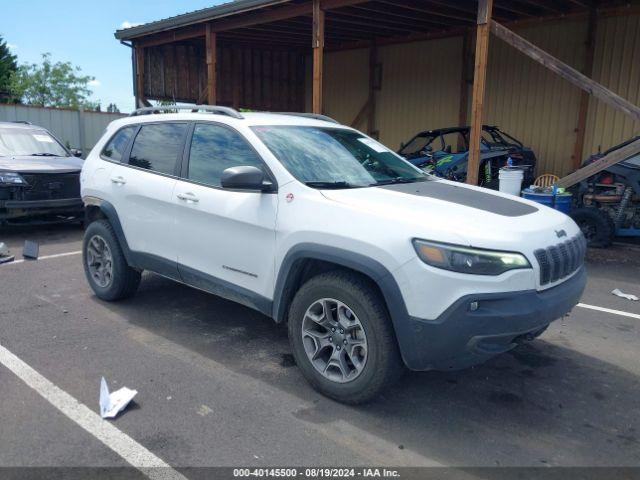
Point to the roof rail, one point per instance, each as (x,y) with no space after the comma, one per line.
(315,116)
(26,122)
(231,112)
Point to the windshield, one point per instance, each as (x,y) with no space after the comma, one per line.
(336,158)
(24,142)
(417,145)
(499,138)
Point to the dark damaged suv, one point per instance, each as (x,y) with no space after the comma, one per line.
(39,177)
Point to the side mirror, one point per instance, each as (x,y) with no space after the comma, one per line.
(76,152)
(245,178)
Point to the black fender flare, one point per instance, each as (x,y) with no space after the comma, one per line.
(373,269)
(109,211)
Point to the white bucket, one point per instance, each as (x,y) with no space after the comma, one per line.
(511,180)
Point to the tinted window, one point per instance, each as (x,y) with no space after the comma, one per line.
(214,149)
(118,143)
(157,147)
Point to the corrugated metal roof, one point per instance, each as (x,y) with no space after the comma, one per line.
(218,11)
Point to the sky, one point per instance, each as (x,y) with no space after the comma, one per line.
(81,31)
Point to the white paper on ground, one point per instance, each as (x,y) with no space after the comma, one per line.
(628,296)
(113,403)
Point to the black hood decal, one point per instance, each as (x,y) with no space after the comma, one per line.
(468,197)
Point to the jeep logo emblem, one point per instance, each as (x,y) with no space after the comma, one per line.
(561,233)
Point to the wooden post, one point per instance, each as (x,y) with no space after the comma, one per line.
(211,65)
(318,53)
(373,61)
(140,98)
(584,96)
(479,81)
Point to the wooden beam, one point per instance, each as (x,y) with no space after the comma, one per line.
(262,16)
(437,12)
(386,19)
(408,16)
(511,8)
(278,13)
(317,44)
(211,65)
(581,128)
(565,71)
(470,9)
(548,5)
(479,82)
(415,37)
(141,101)
(614,157)
(186,33)
(584,3)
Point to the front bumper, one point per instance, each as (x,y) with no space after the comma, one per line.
(17,209)
(460,338)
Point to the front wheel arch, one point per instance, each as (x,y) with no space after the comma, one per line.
(294,271)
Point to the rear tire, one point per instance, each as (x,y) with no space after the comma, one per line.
(369,348)
(596,225)
(105,266)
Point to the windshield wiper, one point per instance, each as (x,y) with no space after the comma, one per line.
(392,181)
(44,154)
(339,184)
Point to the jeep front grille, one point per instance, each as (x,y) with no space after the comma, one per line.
(561,260)
(51,186)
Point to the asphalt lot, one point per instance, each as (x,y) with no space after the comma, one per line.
(217,386)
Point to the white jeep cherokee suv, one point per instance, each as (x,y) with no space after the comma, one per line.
(373,263)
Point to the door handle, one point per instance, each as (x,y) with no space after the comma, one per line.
(188,197)
(118,180)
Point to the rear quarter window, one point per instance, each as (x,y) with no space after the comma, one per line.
(115,148)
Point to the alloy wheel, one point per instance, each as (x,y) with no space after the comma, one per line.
(100,261)
(334,340)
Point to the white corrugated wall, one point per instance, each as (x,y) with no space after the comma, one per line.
(66,125)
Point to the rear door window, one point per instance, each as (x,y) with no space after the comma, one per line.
(114,150)
(158,147)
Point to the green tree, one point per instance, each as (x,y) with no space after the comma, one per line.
(8,66)
(51,84)
(113,108)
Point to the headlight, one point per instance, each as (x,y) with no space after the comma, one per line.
(11,178)
(469,260)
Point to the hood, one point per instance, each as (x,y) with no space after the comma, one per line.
(440,210)
(37,164)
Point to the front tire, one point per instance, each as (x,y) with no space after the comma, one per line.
(105,266)
(596,225)
(342,338)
